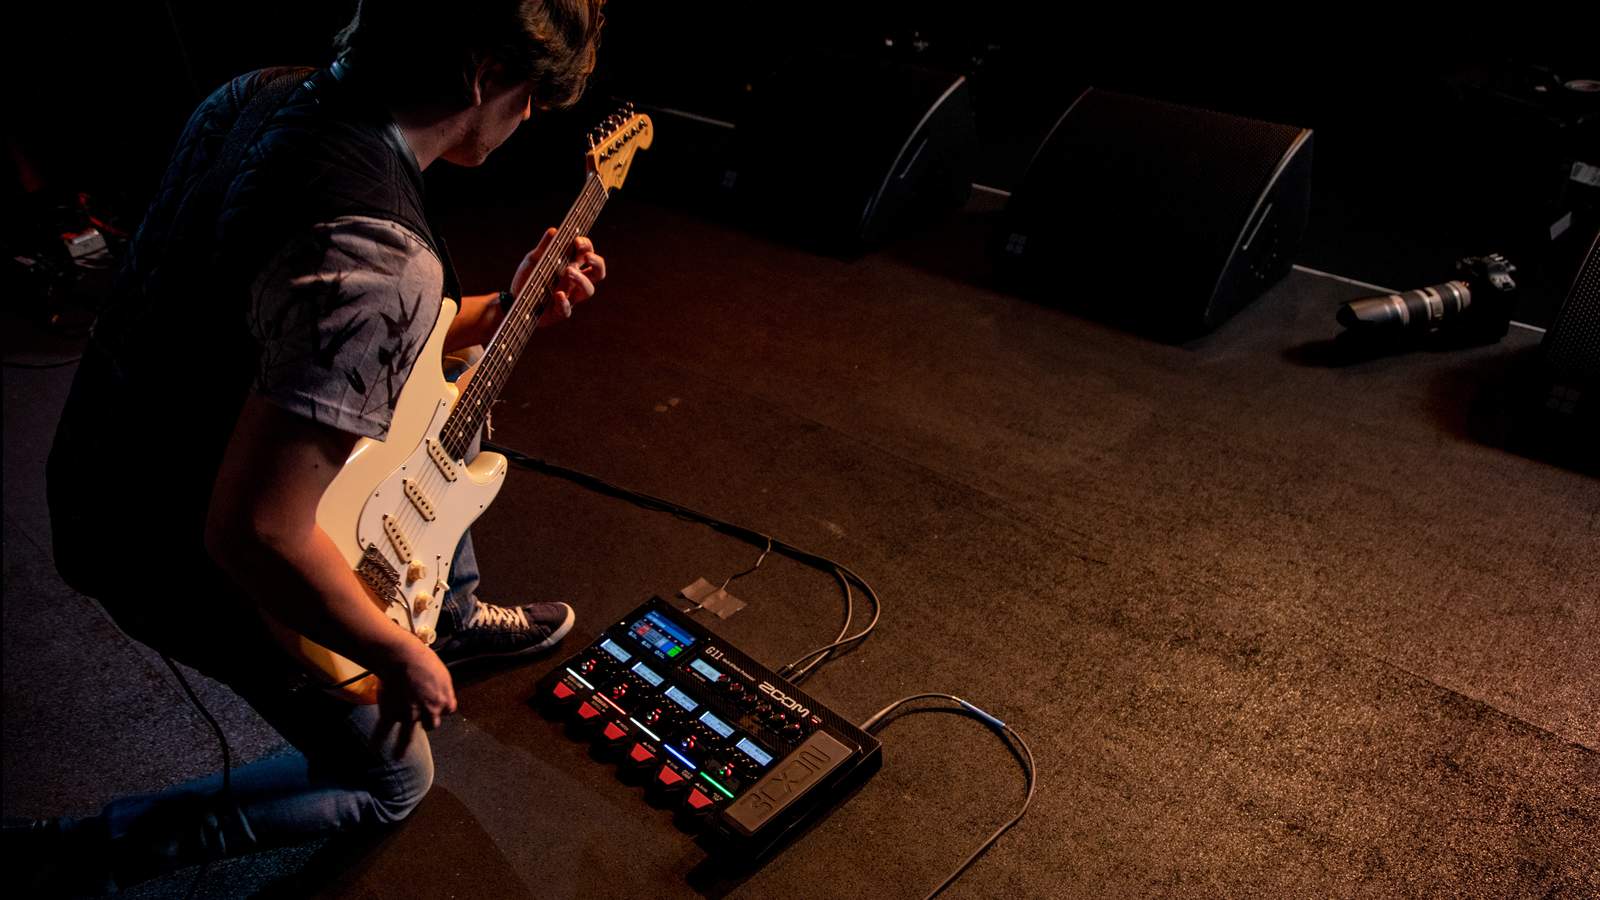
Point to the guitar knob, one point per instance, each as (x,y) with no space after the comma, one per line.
(415,572)
(427,635)
(421,602)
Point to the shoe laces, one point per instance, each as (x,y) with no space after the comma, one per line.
(499,618)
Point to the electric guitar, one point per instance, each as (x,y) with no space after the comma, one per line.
(398,507)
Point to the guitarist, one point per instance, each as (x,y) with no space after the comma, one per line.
(288,269)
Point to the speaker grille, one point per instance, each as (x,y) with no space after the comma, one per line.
(1572,345)
(1141,204)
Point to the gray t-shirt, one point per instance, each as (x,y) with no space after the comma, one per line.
(340,315)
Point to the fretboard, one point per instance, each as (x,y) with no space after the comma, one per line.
(500,357)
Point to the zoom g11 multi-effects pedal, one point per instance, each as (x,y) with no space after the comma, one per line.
(735,750)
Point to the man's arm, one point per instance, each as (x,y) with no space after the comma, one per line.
(261,529)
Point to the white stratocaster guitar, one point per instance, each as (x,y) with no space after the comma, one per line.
(398,507)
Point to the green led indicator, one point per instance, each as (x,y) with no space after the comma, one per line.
(717,786)
(674,652)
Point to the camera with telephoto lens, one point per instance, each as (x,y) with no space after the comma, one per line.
(1475,307)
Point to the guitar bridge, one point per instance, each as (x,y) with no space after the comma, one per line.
(376,573)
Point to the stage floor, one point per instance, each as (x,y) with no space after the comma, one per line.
(1270,626)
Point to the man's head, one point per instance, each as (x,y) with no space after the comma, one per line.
(486,63)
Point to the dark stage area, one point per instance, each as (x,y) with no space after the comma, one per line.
(1273,621)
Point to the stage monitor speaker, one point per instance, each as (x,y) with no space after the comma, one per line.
(1163,218)
(1560,418)
(839,151)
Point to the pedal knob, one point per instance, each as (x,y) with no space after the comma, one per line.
(415,572)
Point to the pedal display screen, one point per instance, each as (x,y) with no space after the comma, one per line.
(684,700)
(613,648)
(661,635)
(753,751)
(647,673)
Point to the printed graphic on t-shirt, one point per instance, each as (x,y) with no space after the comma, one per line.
(340,316)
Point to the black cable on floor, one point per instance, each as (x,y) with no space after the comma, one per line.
(227,759)
(793,671)
(1006,733)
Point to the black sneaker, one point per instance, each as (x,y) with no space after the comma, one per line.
(506,631)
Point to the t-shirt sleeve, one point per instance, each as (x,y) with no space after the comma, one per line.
(339,316)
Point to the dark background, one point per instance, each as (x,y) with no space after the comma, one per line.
(1433,140)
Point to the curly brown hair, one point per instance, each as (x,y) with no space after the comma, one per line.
(427,51)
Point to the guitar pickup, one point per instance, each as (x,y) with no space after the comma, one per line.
(397,538)
(441,460)
(419,500)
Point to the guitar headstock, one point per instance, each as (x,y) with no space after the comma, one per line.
(613,143)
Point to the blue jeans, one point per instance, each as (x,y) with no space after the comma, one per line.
(342,775)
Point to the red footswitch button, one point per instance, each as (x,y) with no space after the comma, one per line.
(641,753)
(614,732)
(587,712)
(562,691)
(669,777)
(697,801)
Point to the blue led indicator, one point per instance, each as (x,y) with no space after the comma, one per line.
(681,758)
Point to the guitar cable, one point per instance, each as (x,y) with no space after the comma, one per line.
(226,793)
(802,666)
(1007,735)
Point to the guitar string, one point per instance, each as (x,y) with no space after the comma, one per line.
(506,346)
(587,207)
(431,482)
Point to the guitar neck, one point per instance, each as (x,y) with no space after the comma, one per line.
(503,351)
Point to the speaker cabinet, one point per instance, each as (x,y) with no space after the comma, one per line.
(1561,409)
(1161,217)
(839,151)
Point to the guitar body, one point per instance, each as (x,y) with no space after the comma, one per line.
(397,510)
